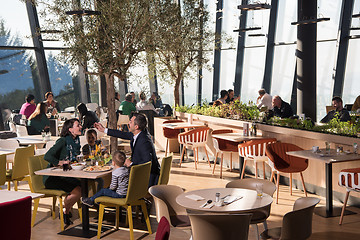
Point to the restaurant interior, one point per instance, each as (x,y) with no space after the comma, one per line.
(247,115)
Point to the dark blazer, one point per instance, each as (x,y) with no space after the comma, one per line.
(143,150)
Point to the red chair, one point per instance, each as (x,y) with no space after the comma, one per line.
(222,146)
(194,138)
(254,150)
(15,220)
(350,179)
(285,163)
(170,133)
(163,230)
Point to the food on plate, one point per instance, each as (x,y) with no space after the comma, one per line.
(97,168)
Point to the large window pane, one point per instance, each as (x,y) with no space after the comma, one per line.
(352,83)
(331,9)
(287,13)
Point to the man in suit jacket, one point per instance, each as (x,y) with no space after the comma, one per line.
(142,147)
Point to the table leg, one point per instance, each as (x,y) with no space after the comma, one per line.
(241,165)
(85,209)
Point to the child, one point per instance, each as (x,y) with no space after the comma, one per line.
(91,147)
(119,181)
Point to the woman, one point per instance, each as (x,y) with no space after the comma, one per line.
(64,151)
(53,106)
(87,118)
(38,119)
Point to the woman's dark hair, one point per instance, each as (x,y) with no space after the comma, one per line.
(68,124)
(48,94)
(39,111)
(82,109)
(223,93)
(29,98)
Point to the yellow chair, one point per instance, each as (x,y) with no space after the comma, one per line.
(2,169)
(37,163)
(137,190)
(165,170)
(20,169)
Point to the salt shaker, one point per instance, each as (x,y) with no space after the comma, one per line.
(217,197)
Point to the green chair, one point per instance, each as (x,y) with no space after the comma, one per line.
(165,170)
(37,163)
(2,169)
(20,169)
(137,190)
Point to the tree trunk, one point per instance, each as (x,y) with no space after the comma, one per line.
(110,99)
(176,92)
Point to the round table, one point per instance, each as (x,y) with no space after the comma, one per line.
(248,203)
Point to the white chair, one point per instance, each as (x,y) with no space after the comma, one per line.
(12,127)
(83,140)
(21,131)
(102,116)
(9,144)
(42,151)
(91,106)
(123,120)
(65,115)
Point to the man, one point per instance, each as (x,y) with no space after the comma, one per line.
(264,101)
(29,107)
(133,100)
(223,96)
(127,106)
(142,147)
(231,97)
(339,111)
(281,109)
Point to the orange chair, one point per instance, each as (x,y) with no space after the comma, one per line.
(350,179)
(222,146)
(285,163)
(170,133)
(194,138)
(254,150)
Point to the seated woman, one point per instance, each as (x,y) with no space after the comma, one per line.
(38,120)
(64,151)
(53,106)
(87,118)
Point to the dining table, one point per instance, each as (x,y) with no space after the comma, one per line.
(84,176)
(328,158)
(34,140)
(7,196)
(236,200)
(237,137)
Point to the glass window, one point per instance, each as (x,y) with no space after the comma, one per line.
(331,9)
(287,13)
(352,84)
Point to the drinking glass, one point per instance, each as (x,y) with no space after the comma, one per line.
(259,189)
(327,144)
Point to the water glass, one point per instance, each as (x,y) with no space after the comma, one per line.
(327,144)
(259,189)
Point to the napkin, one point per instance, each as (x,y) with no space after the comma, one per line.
(195,197)
(231,199)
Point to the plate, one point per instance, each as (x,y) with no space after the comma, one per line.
(97,169)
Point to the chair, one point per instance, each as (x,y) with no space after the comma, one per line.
(2,170)
(20,169)
(222,146)
(285,163)
(260,215)
(166,205)
(42,151)
(350,179)
(330,108)
(123,120)
(137,190)
(165,170)
(296,224)
(21,131)
(163,230)
(9,144)
(194,138)
(92,106)
(37,163)
(220,227)
(15,222)
(254,150)
(170,133)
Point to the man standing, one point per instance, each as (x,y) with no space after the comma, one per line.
(264,100)
(281,109)
(339,111)
(142,147)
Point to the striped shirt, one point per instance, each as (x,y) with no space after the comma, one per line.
(120,180)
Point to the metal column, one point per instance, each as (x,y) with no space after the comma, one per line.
(217,52)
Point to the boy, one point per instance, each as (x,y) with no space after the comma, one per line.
(119,181)
(90,147)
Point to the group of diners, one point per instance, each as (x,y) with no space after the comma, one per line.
(276,106)
(67,148)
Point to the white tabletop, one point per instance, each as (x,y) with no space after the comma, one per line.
(182,125)
(71,173)
(34,139)
(4,151)
(7,196)
(248,203)
(235,137)
(333,157)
